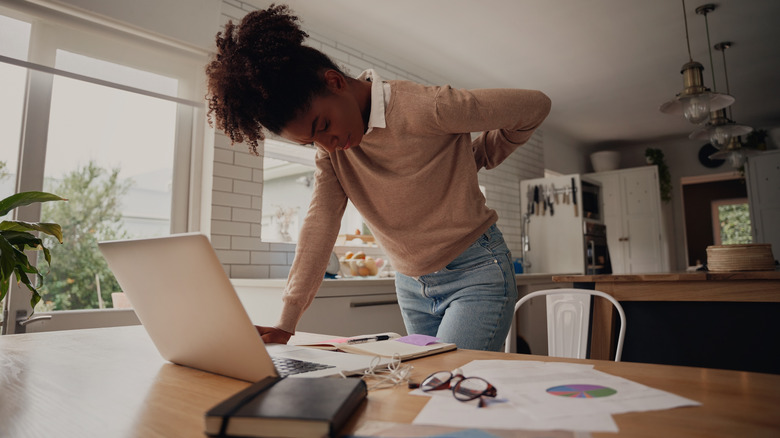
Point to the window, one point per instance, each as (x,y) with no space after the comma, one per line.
(703,219)
(113,123)
(731,222)
(288,184)
(15,37)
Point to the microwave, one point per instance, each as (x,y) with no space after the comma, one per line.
(591,200)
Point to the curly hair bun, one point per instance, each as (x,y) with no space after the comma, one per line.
(262,76)
(270,35)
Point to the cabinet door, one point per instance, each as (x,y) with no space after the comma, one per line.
(632,214)
(642,220)
(763,176)
(613,219)
(353,315)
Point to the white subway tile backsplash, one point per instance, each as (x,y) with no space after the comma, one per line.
(220,242)
(248,188)
(282,247)
(233,257)
(250,271)
(232,171)
(249,243)
(219,212)
(261,257)
(222,184)
(229,228)
(279,271)
(222,141)
(231,199)
(223,156)
(246,159)
(246,215)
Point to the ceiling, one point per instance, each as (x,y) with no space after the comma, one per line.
(607,65)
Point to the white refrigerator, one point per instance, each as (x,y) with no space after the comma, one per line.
(555,224)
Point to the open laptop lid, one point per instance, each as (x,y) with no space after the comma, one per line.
(187,304)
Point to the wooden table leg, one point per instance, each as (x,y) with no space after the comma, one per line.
(602,329)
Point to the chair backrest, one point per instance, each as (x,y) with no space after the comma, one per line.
(568,318)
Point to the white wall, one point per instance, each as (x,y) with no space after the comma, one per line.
(563,155)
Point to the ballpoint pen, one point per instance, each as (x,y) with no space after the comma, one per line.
(368,339)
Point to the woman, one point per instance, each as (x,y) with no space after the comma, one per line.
(402,153)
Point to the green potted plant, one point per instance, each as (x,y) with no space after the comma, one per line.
(756,140)
(17,236)
(656,156)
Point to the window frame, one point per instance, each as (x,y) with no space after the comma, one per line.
(55,30)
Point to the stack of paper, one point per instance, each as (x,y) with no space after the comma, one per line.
(546,396)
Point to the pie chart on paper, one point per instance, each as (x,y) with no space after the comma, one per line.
(581,391)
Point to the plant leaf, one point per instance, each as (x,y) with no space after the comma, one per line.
(4,284)
(22,239)
(26,198)
(45,227)
(36,296)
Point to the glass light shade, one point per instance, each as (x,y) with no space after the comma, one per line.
(696,109)
(737,158)
(720,136)
(695,101)
(733,152)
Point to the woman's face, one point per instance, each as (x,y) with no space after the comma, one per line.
(334,120)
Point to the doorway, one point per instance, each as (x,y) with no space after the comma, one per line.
(711,204)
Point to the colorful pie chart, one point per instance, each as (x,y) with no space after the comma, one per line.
(581,391)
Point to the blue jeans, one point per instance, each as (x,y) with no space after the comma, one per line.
(470,302)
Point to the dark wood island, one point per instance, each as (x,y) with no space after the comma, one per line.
(706,319)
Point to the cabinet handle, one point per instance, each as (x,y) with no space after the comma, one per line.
(373,303)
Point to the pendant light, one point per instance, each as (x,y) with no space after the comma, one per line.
(695,101)
(733,150)
(719,129)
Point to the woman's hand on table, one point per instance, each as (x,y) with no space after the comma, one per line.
(273,335)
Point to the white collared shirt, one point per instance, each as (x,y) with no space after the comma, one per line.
(380,97)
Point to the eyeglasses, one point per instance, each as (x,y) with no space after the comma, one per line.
(463,388)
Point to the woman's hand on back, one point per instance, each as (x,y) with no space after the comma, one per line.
(273,335)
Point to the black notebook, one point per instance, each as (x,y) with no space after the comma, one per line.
(287,407)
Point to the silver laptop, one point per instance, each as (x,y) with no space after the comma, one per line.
(187,304)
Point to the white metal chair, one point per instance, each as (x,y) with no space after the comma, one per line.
(568,319)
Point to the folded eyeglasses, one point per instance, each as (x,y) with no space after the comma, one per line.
(463,388)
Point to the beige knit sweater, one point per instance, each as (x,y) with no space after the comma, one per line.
(414,182)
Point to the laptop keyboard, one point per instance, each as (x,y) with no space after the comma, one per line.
(287,367)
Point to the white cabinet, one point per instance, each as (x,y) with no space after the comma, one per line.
(763,176)
(634,218)
(347,307)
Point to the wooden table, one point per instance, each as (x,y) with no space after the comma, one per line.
(738,287)
(112,383)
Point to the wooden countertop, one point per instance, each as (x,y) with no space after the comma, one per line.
(670,276)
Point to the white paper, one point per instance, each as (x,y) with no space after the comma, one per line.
(523,400)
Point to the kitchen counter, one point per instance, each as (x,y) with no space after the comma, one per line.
(359,305)
(689,318)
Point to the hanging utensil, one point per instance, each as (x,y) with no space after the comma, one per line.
(536,199)
(574,196)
